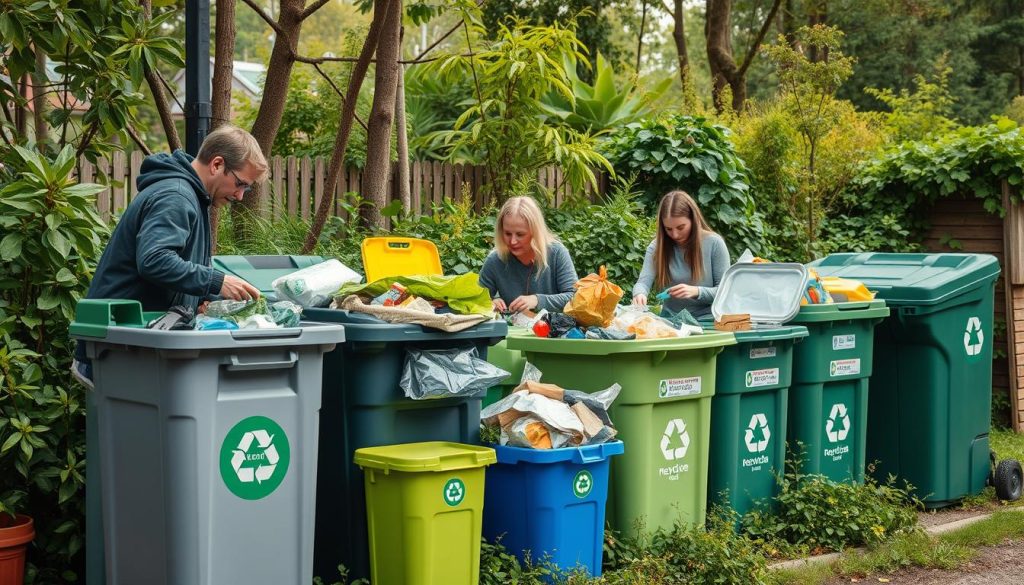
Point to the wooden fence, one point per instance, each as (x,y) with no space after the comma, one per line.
(296,185)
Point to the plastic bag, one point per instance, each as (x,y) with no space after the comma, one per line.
(595,300)
(440,373)
(206,323)
(609,334)
(314,286)
(644,323)
(560,324)
(286,313)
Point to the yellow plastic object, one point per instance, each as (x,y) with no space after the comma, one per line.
(846,290)
(384,257)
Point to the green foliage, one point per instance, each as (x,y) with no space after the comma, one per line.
(51,237)
(463,238)
(823,515)
(431,105)
(505,127)
(925,110)
(614,232)
(689,153)
(600,107)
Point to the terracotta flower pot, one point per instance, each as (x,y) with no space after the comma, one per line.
(15,534)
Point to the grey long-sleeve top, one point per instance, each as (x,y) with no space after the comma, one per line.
(716,261)
(511,279)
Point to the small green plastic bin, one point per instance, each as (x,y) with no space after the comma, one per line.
(828,402)
(424,505)
(931,391)
(511,361)
(663,416)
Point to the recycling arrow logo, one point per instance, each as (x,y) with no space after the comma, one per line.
(837,416)
(454,492)
(582,484)
(758,425)
(254,457)
(750,379)
(974,337)
(675,428)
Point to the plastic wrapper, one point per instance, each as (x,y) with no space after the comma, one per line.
(595,300)
(560,324)
(442,373)
(531,432)
(609,334)
(644,323)
(286,313)
(556,415)
(315,285)
(207,323)
(236,310)
(261,321)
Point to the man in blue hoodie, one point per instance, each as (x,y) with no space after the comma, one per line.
(159,253)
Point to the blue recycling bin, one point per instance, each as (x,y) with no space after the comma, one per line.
(550,503)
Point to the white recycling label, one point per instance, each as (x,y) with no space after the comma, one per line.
(844,367)
(675,387)
(765,377)
(757,353)
(844,342)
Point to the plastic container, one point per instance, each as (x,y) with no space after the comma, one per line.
(663,415)
(750,408)
(828,401)
(424,503)
(931,391)
(549,504)
(384,257)
(207,447)
(363,406)
(509,360)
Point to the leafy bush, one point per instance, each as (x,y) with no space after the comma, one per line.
(828,516)
(689,153)
(463,237)
(51,237)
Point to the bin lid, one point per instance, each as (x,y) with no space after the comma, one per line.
(875,309)
(260,271)
(580,455)
(530,342)
(384,257)
(912,279)
(429,456)
(774,334)
(119,321)
(363,327)
(770,293)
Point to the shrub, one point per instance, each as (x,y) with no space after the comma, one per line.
(824,515)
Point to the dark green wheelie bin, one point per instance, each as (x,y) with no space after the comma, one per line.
(828,401)
(931,391)
(363,406)
(750,408)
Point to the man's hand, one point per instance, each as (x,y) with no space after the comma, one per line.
(236,289)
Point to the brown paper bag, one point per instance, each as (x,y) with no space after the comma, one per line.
(594,303)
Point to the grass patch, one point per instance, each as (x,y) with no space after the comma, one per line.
(1007,444)
(989,532)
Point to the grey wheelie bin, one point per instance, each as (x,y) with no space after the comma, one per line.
(363,406)
(207,447)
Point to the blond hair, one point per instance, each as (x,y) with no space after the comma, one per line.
(237,147)
(679,204)
(527,209)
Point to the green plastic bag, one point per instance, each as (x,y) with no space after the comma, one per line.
(463,293)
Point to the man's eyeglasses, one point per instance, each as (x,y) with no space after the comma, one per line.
(240,184)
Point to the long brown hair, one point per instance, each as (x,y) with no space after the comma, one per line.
(679,204)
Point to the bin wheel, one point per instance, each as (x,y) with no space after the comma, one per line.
(1008,480)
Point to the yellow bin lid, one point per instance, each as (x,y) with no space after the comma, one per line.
(384,257)
(419,457)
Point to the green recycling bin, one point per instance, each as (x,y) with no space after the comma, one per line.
(931,391)
(511,361)
(750,408)
(663,415)
(828,401)
(363,406)
(207,447)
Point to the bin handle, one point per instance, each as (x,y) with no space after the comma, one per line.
(583,456)
(238,365)
(261,334)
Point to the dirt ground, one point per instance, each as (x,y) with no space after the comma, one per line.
(997,565)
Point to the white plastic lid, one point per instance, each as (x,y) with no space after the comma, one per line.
(769,293)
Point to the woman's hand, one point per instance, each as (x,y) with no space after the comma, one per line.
(524,303)
(499,306)
(683,291)
(640,301)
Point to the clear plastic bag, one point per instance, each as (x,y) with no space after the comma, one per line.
(644,323)
(441,373)
(315,285)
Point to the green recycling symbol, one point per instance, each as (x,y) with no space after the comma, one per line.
(750,379)
(662,389)
(254,457)
(832,369)
(454,492)
(582,484)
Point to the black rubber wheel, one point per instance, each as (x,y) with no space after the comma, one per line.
(1008,480)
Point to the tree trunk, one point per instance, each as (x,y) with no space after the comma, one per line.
(223,63)
(377,173)
(40,85)
(156,87)
(640,36)
(402,134)
(21,111)
(718,33)
(348,116)
(679,36)
(789,22)
(817,13)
